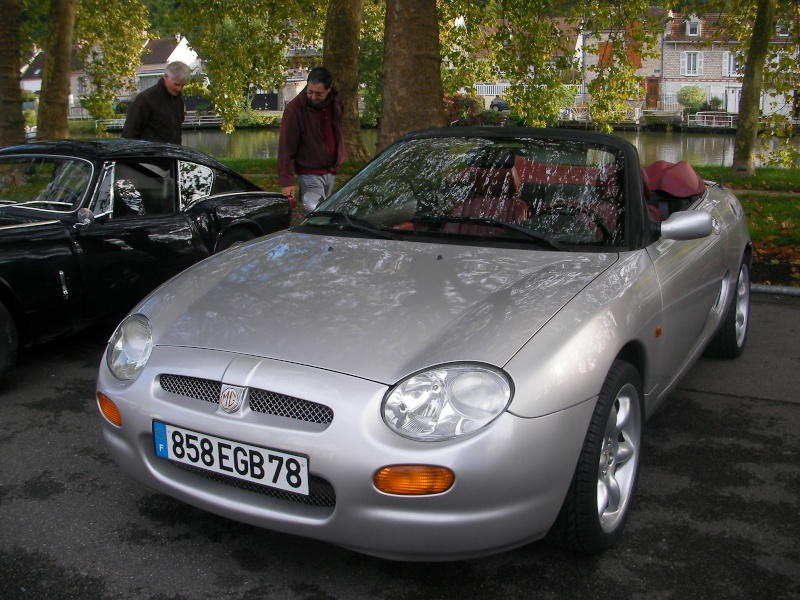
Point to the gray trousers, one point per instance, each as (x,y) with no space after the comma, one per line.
(314,189)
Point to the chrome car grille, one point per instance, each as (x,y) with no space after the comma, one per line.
(321,492)
(262,401)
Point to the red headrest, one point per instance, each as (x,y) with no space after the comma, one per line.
(676,179)
(489,181)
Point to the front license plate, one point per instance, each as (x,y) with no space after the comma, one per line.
(263,466)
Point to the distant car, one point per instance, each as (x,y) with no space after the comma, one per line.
(88,228)
(452,356)
(498,104)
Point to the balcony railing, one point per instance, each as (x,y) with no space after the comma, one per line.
(190,122)
(713,118)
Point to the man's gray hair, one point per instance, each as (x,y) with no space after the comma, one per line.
(178,71)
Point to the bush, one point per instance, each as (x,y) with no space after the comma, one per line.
(254,118)
(30,117)
(461,109)
(692,97)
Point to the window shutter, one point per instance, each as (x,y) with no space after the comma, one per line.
(606,54)
(634,55)
(726,64)
(683,63)
(699,63)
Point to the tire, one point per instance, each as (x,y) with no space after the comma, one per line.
(234,237)
(729,341)
(599,498)
(9,341)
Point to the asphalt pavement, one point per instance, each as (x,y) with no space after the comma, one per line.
(716,513)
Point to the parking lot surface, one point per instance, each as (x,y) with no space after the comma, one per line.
(716,513)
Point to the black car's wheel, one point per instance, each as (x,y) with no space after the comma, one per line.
(730,339)
(599,497)
(234,237)
(9,341)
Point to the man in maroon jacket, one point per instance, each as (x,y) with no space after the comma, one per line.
(311,142)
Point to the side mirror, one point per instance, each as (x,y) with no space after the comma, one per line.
(85,217)
(687,225)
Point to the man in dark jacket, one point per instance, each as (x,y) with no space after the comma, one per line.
(157,113)
(311,143)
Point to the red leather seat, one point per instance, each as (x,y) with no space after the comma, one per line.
(495,195)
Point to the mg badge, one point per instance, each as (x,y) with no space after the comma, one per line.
(231,398)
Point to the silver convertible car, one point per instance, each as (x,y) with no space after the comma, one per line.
(454,355)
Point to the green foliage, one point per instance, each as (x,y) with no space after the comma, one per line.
(164,18)
(109,61)
(82,129)
(370,60)
(245,45)
(462,37)
(30,117)
(462,109)
(33,24)
(98,106)
(28,96)
(692,97)
(253,118)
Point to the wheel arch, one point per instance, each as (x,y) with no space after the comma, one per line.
(11,303)
(634,353)
(234,226)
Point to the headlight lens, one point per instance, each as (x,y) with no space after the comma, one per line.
(446,402)
(129,348)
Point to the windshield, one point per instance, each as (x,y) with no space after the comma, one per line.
(53,183)
(552,192)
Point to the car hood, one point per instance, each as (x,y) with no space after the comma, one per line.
(376,309)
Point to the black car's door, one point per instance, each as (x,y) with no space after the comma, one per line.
(138,238)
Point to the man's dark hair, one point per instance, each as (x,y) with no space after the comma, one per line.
(321,75)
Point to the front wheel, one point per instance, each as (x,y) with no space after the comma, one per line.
(234,237)
(599,498)
(729,340)
(9,341)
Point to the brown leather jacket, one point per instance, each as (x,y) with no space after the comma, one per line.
(302,144)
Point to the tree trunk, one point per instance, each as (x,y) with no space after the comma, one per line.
(54,101)
(412,93)
(342,34)
(744,148)
(12,122)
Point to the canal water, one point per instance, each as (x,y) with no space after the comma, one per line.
(696,148)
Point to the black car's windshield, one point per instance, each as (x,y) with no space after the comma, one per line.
(53,183)
(553,193)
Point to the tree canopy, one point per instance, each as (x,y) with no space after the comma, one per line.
(409,52)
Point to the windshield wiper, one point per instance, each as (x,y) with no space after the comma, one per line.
(530,234)
(352,222)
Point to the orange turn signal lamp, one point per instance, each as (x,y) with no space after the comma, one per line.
(109,409)
(414,480)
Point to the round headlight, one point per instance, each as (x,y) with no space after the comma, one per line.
(446,402)
(129,348)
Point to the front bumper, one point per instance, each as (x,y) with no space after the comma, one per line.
(510,478)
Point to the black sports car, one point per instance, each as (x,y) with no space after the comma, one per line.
(88,228)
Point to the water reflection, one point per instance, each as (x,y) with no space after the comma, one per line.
(697,148)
